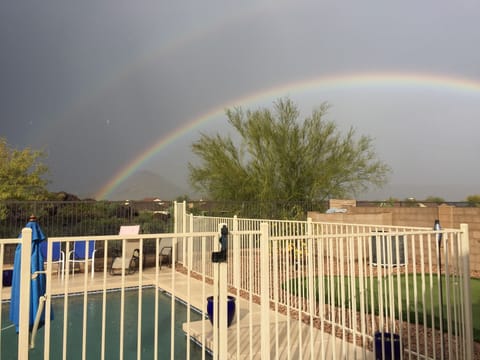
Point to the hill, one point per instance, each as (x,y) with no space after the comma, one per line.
(146,184)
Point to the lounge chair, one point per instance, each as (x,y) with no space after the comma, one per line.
(132,252)
(165,256)
(58,256)
(133,264)
(78,255)
(129,230)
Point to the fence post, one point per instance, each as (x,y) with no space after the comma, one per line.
(236,255)
(311,284)
(467,296)
(175,217)
(176,223)
(265,290)
(184,230)
(189,258)
(25,282)
(220,309)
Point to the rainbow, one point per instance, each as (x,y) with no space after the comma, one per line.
(331,82)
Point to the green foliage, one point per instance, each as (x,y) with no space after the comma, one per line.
(279,158)
(474,200)
(83,218)
(279,209)
(435,199)
(390,202)
(151,224)
(21,174)
(410,202)
(182,198)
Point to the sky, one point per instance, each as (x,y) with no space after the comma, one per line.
(112,88)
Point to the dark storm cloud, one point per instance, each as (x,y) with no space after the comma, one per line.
(96,83)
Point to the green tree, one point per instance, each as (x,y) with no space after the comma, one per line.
(435,199)
(280,158)
(474,200)
(21,173)
(390,202)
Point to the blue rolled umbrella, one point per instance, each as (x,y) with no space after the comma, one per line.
(38,282)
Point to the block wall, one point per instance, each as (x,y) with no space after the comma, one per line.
(449,216)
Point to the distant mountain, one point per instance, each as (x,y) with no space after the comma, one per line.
(147,184)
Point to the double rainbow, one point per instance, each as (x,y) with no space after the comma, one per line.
(334,82)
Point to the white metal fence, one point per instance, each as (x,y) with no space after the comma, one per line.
(303,290)
(356,283)
(74,341)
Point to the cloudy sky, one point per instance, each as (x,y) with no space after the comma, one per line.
(98,83)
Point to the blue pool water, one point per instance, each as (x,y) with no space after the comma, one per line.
(94,320)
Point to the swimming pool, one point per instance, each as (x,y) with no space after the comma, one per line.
(112,333)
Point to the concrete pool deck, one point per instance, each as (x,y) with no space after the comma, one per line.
(249,334)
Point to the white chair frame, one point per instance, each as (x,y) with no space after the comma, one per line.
(72,261)
(60,262)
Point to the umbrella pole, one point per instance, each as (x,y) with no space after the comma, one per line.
(41,304)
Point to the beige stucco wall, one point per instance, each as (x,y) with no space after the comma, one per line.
(353,218)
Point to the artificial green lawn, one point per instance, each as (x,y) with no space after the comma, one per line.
(423,307)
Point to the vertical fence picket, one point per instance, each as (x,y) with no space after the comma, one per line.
(24,306)
(464,258)
(265,290)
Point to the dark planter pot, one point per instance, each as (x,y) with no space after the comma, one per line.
(230,309)
(390,341)
(7,277)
